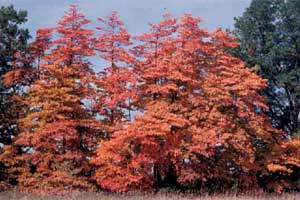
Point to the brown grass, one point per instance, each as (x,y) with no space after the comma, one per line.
(13,195)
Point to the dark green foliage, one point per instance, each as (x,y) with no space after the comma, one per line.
(269,33)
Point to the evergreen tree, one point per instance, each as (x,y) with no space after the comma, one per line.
(269,37)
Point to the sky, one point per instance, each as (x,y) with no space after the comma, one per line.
(135,13)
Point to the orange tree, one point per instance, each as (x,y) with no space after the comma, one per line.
(25,70)
(203,119)
(281,171)
(116,94)
(51,151)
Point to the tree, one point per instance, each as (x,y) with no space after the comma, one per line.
(201,123)
(109,153)
(13,39)
(116,83)
(268,35)
(148,52)
(25,70)
(281,172)
(52,148)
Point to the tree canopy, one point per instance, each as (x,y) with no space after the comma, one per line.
(173,107)
(269,35)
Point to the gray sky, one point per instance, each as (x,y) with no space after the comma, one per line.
(135,13)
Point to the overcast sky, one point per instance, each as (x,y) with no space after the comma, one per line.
(135,13)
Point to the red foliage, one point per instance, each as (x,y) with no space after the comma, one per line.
(201,114)
(51,144)
(26,67)
(116,83)
(23,74)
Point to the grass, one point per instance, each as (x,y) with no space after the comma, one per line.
(13,195)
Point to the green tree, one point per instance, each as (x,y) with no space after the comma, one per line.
(269,34)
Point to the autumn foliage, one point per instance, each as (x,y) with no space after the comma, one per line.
(201,115)
(51,144)
(169,108)
(116,93)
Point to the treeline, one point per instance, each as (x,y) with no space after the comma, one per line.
(173,107)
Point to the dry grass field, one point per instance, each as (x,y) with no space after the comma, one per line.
(12,195)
